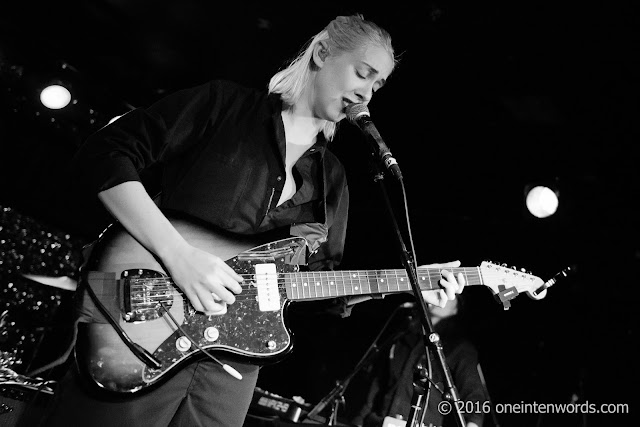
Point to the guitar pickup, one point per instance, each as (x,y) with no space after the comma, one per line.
(266,278)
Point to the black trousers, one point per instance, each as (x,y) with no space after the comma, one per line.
(200,394)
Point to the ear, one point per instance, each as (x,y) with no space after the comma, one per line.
(320,53)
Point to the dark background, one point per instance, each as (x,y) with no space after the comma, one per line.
(488,98)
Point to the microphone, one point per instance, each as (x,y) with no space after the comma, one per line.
(358,114)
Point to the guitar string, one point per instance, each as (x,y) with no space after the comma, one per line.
(283,281)
(338,279)
(343,275)
(250,291)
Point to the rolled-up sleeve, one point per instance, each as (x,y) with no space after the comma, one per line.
(118,152)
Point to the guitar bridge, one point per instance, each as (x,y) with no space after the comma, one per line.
(144,291)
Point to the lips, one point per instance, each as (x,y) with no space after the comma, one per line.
(345,103)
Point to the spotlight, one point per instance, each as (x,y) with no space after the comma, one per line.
(55,97)
(541,200)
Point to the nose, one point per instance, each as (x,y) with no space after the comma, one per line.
(364,94)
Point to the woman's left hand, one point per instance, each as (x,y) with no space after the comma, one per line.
(451,285)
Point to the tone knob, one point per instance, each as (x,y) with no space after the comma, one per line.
(183,344)
(211,334)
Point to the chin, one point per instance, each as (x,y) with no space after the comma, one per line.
(336,115)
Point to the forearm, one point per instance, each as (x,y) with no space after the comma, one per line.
(130,204)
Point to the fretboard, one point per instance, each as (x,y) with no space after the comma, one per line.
(325,284)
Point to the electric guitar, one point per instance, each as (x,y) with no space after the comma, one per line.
(130,305)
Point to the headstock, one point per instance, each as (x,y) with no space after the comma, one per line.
(507,283)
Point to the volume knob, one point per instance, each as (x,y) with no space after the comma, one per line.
(211,334)
(183,344)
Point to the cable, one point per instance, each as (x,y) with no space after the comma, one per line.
(136,348)
(226,367)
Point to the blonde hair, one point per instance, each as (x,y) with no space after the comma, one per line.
(343,34)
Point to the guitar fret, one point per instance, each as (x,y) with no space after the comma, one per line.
(466,276)
(373,284)
(305,284)
(395,281)
(315,286)
(427,278)
(327,284)
(403,280)
(355,277)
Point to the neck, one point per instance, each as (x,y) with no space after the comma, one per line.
(301,128)
(303,110)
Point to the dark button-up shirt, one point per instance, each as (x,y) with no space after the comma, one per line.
(216,152)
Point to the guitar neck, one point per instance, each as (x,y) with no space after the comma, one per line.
(311,285)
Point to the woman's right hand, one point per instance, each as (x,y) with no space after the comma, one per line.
(207,281)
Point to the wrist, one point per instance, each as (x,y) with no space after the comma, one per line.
(171,248)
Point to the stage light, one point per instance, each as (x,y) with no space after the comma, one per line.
(55,97)
(541,201)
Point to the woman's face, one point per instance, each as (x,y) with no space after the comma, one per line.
(349,77)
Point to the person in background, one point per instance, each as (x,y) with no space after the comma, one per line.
(391,391)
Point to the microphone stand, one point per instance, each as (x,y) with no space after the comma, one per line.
(433,339)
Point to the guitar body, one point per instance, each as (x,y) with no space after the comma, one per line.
(130,283)
(128,300)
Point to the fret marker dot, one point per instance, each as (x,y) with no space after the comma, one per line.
(331,283)
(356,288)
(304,284)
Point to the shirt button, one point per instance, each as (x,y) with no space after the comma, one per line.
(279,178)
